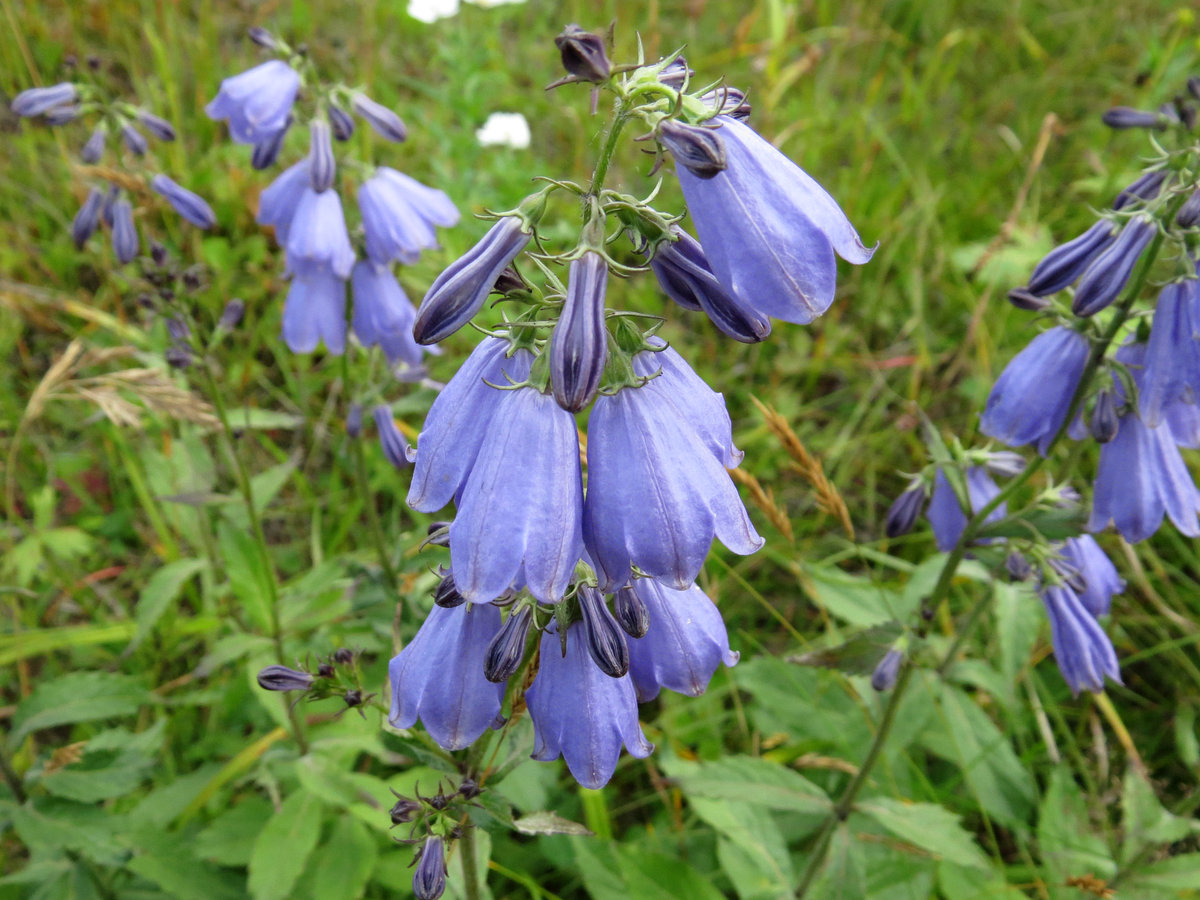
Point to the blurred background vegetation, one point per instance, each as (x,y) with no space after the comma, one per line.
(964,136)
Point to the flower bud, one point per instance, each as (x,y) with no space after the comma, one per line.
(1121,117)
(1018,566)
(158,253)
(579,344)
(190,205)
(728,101)
(343,656)
(178,329)
(354,420)
(124,235)
(321,165)
(438,534)
(87,218)
(353,697)
(631,613)
(1189,213)
(341,123)
(383,121)
(583,54)
(469,789)
(699,150)
(61,115)
(231,316)
(1106,277)
(94,148)
(262,37)
(509,280)
(135,141)
(1066,262)
(676,73)
(266,152)
(36,101)
(884,676)
(1005,464)
(281,678)
(395,448)
(1145,187)
(429,880)
(446,594)
(506,650)
(604,640)
(325,670)
(458,293)
(904,512)
(1104,421)
(157,126)
(178,356)
(1022,299)
(403,810)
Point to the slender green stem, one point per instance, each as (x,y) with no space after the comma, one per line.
(11,778)
(619,120)
(376,527)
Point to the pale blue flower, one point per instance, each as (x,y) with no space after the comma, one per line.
(257,102)
(399,215)
(1084,654)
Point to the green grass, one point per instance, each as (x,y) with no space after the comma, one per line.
(923,119)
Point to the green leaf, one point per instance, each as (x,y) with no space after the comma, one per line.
(456,878)
(852,598)
(547,822)
(966,883)
(1053,524)
(229,839)
(857,656)
(341,868)
(1145,820)
(656,876)
(1177,873)
(249,417)
(283,847)
(755,854)
(1067,835)
(928,826)
(749,780)
(167,860)
(844,873)
(48,826)
(78,697)
(161,590)
(251,585)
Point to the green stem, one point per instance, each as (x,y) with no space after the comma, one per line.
(11,778)
(619,120)
(376,527)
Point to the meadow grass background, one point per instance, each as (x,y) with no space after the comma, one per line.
(964,137)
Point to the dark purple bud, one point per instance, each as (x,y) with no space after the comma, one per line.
(429,880)
(438,534)
(394,446)
(158,253)
(404,810)
(886,672)
(190,205)
(325,670)
(192,279)
(506,650)
(583,54)
(343,656)
(87,218)
(178,329)
(685,276)
(1066,262)
(94,63)
(604,640)
(446,594)
(353,697)
(94,148)
(579,343)
(1005,464)
(124,235)
(36,101)
(631,613)
(699,150)
(904,512)
(354,419)
(281,678)
(321,165)
(1104,421)
(267,151)
(232,315)
(1189,213)
(1018,566)
(1106,277)
(469,789)
(1022,299)
(728,101)
(1145,187)
(157,126)
(458,293)
(676,73)
(1120,117)
(439,800)
(262,37)
(383,121)
(110,199)
(178,356)
(509,280)
(135,141)
(340,122)
(61,115)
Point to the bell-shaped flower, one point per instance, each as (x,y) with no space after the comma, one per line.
(383,315)
(383,121)
(1145,187)
(256,102)
(602,636)
(684,645)
(399,214)
(658,492)
(947,518)
(582,714)
(1172,361)
(429,876)
(686,277)
(124,234)
(277,204)
(1099,575)
(1032,396)
(438,676)
(1184,421)
(317,240)
(189,205)
(38,100)
(579,343)
(395,449)
(1106,277)
(459,292)
(88,218)
(315,311)
(1084,654)
(769,231)
(1066,262)
(322,167)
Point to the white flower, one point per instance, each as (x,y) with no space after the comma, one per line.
(504,129)
(431,10)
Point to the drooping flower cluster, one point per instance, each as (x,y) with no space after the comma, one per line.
(304,206)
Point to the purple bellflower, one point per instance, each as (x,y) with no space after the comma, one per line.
(947,518)
(1184,421)
(582,714)
(1084,654)
(460,291)
(1141,475)
(189,205)
(399,214)
(94,148)
(315,311)
(383,315)
(769,231)
(684,645)
(1100,577)
(39,100)
(382,120)
(1172,373)
(1105,278)
(256,102)
(1066,262)
(124,234)
(658,492)
(277,204)
(321,165)
(320,258)
(395,449)
(429,877)
(1031,398)
(88,218)
(579,344)
(438,677)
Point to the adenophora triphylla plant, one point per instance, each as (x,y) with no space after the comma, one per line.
(120,179)
(1119,364)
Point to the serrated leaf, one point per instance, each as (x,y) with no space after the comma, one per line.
(749,780)
(928,826)
(48,825)
(342,866)
(762,866)
(160,591)
(547,822)
(1177,873)
(283,847)
(167,860)
(251,585)
(857,656)
(852,598)
(1067,836)
(229,839)
(1145,820)
(77,697)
